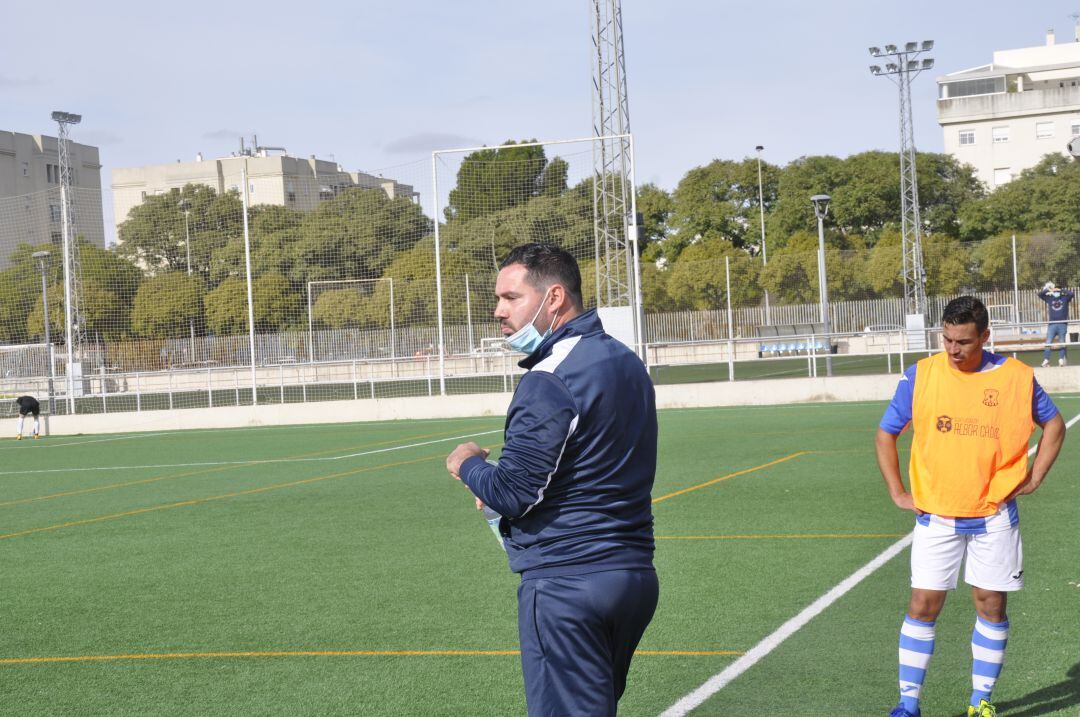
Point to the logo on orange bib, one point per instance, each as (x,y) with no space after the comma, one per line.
(990,397)
(944,424)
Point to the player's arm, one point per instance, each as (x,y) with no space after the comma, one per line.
(540,422)
(888,460)
(897,417)
(1053,436)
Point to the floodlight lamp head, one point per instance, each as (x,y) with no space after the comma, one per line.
(927,45)
(759,148)
(928,63)
(821,204)
(875,51)
(912,65)
(890,49)
(66,117)
(875,69)
(911,47)
(891,67)
(41,255)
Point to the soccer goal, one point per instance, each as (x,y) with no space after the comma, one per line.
(349,305)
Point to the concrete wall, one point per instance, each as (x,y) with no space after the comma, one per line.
(740,393)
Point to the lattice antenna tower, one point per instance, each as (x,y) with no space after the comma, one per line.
(611,158)
(901,67)
(73,309)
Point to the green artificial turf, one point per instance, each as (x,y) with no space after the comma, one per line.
(351,538)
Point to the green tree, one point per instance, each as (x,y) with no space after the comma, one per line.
(166,304)
(492,180)
(155,233)
(356,235)
(655,206)
(1043,198)
(226,307)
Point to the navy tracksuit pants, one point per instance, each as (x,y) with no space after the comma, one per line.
(578,634)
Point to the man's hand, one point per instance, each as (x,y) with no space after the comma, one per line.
(904,501)
(1030,485)
(461,454)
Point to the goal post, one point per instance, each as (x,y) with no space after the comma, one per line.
(365,290)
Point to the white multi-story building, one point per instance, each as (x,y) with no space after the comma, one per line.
(30,192)
(272,179)
(1006,116)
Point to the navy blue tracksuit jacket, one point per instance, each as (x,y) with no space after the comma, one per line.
(575,475)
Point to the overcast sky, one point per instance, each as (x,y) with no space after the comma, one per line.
(381,84)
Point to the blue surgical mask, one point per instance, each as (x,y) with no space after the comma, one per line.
(527,339)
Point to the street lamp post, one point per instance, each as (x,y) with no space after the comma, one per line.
(43,262)
(761,206)
(821,209)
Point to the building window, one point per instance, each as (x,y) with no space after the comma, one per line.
(967,136)
(1001,134)
(1044,130)
(48,173)
(26,169)
(292,196)
(1002,176)
(54,213)
(1074,127)
(968,88)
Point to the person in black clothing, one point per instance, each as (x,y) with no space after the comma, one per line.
(28,405)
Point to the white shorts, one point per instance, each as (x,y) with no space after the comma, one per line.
(995,561)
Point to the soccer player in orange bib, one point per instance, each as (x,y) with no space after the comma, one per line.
(972,413)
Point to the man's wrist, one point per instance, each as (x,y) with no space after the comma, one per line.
(469,464)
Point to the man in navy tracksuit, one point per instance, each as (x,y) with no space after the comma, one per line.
(1057,305)
(573,483)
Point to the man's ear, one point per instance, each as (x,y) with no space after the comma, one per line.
(558,295)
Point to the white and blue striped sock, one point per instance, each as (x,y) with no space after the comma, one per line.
(916,649)
(988,641)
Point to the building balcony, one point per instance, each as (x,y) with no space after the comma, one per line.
(1008,104)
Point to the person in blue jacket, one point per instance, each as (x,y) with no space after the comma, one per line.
(573,484)
(1057,306)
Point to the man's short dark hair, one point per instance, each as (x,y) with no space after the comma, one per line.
(966,310)
(545,265)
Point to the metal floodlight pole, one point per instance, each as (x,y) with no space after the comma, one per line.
(250,293)
(43,261)
(72,325)
(761,207)
(901,70)
(821,209)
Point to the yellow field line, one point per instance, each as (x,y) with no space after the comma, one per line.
(714,481)
(215,469)
(328,653)
(781,536)
(199,501)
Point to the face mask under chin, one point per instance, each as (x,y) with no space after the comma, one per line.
(527,339)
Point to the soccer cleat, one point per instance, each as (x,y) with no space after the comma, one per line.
(1062,362)
(985,709)
(1045,363)
(37,436)
(901,711)
(18,437)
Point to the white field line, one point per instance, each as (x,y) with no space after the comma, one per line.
(54,444)
(254,462)
(722,679)
(57,441)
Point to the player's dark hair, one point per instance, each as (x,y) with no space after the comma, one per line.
(545,265)
(966,310)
